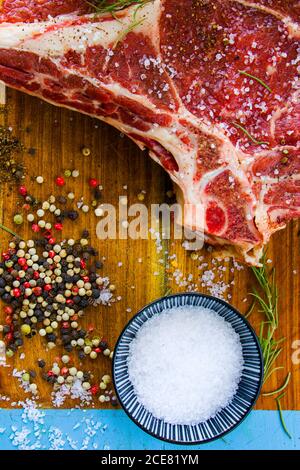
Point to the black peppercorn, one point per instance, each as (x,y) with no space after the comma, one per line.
(6,329)
(81,354)
(66,339)
(95,293)
(103,345)
(61,199)
(73,215)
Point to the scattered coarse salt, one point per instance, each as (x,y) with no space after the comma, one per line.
(185,364)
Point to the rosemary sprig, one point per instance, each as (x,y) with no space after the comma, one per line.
(268,303)
(271,347)
(247,133)
(259,80)
(278,403)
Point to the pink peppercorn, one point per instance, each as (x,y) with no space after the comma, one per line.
(22,261)
(60,181)
(37,291)
(8,310)
(93,182)
(47,234)
(94,389)
(23,190)
(35,228)
(16,292)
(9,337)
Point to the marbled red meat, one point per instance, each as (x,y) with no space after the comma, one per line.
(210,87)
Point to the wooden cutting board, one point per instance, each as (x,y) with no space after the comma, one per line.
(139,272)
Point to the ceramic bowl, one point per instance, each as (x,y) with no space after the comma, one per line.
(227,418)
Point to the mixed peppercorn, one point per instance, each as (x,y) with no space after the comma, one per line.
(47,293)
(48,284)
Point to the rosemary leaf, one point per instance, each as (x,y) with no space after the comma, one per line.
(259,80)
(281,415)
(6,229)
(168,291)
(247,133)
(280,389)
(250,310)
(126,31)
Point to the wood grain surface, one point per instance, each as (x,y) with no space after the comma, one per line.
(139,272)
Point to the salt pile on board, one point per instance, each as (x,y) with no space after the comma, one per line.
(185,364)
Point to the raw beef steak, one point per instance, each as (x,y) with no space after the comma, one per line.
(210,87)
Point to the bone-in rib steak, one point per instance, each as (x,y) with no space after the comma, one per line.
(209,86)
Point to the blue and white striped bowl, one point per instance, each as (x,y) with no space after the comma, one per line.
(226,419)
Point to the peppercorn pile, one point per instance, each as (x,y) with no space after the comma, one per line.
(47,286)
(10,168)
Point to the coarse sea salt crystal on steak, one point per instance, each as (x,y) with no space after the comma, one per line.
(178,83)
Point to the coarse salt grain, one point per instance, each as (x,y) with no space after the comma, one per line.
(185,364)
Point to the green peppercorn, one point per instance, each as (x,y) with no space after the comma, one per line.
(18,219)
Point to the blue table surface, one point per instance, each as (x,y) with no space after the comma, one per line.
(113,430)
